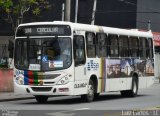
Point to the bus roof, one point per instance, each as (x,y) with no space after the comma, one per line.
(95,28)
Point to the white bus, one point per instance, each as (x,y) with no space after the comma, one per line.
(64,58)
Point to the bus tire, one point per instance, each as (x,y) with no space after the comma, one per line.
(96,95)
(41,98)
(124,93)
(134,89)
(89,97)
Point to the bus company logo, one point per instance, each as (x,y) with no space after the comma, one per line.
(92,65)
(40,83)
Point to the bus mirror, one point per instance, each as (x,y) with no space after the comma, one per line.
(10,49)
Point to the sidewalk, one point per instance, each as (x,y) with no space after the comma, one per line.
(10,96)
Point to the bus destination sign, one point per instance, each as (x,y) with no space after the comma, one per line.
(44,30)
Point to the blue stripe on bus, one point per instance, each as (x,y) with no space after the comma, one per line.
(26,81)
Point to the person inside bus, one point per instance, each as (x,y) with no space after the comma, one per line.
(66,54)
(51,49)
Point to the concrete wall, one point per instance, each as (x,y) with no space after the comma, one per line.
(6,80)
(157,65)
(6,75)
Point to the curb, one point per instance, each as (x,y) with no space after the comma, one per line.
(15,99)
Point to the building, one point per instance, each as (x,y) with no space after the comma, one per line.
(148,11)
(114,13)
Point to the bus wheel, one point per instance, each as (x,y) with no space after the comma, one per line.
(134,90)
(96,95)
(90,95)
(41,99)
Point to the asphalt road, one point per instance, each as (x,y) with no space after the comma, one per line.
(147,103)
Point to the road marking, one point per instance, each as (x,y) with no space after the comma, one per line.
(60,114)
(66,113)
(83,109)
(152,108)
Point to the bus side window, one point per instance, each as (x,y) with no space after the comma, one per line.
(113,45)
(147,48)
(150,48)
(102,44)
(133,47)
(142,47)
(79,50)
(123,46)
(91,44)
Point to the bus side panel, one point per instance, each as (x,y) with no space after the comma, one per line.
(145,69)
(103,82)
(83,73)
(150,71)
(80,87)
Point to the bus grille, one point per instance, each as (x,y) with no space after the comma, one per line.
(41,89)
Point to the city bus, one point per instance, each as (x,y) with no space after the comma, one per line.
(71,59)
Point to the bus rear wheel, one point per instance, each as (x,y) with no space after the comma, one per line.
(134,89)
(41,99)
(89,97)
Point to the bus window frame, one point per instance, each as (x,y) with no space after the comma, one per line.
(123,48)
(93,45)
(80,62)
(105,45)
(133,47)
(116,47)
(150,41)
(142,46)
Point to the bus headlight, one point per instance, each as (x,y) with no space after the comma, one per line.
(63,80)
(20,80)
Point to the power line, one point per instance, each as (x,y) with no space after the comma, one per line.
(126,11)
(147,22)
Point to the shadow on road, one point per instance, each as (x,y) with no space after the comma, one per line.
(78,100)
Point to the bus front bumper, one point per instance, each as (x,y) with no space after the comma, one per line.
(55,90)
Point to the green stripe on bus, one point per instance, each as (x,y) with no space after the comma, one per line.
(35,78)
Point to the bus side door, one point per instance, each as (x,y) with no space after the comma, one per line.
(79,57)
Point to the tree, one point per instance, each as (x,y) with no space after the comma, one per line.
(13,10)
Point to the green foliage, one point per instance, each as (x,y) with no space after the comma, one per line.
(16,6)
(6,5)
(36,11)
(15,9)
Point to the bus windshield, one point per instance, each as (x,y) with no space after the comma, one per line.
(44,54)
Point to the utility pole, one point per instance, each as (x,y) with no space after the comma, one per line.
(76,11)
(94,11)
(149,25)
(63,12)
(67,10)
